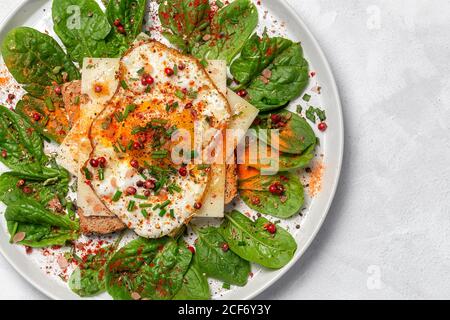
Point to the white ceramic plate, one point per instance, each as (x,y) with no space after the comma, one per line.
(281,20)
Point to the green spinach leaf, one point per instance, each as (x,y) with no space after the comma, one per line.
(255,193)
(195,285)
(251,241)
(272,70)
(217,263)
(295,136)
(82,27)
(230,27)
(148,268)
(36,59)
(184,22)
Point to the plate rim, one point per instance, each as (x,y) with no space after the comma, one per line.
(335,96)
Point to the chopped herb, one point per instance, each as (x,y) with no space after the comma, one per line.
(179,94)
(87,173)
(101,174)
(203,166)
(194,154)
(173,188)
(310,114)
(321,114)
(145,205)
(299,109)
(129,108)
(144,213)
(77,100)
(306,97)
(49,104)
(130,145)
(138,129)
(175,70)
(165,204)
(159,154)
(162,212)
(131,205)
(124,85)
(139,196)
(172,213)
(204,63)
(192,94)
(118,116)
(141,71)
(156,206)
(116,196)
(106,123)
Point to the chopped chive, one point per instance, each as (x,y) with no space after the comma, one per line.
(49,104)
(179,94)
(129,108)
(115,148)
(306,97)
(138,129)
(162,212)
(118,116)
(203,166)
(123,84)
(77,100)
(156,206)
(194,154)
(101,174)
(143,175)
(165,204)
(131,205)
(144,213)
(159,154)
(204,63)
(172,213)
(129,145)
(192,94)
(121,147)
(141,71)
(299,109)
(175,70)
(116,196)
(87,173)
(140,196)
(145,205)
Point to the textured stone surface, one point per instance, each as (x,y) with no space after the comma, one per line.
(387,232)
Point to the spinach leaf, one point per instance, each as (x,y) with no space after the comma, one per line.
(289,161)
(251,241)
(255,193)
(184,22)
(53,122)
(148,268)
(217,263)
(36,59)
(82,27)
(272,70)
(130,13)
(294,137)
(195,285)
(88,279)
(230,27)
(20,144)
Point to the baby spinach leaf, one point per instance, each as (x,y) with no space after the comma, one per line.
(289,161)
(294,137)
(217,263)
(195,285)
(82,27)
(130,13)
(88,279)
(255,193)
(252,242)
(21,146)
(272,70)
(184,22)
(148,268)
(53,123)
(230,27)
(36,59)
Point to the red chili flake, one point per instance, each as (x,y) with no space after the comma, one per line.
(182,171)
(117,22)
(270,227)
(93,163)
(134,163)
(36,116)
(57,90)
(184,90)
(131,191)
(121,29)
(4,153)
(102,161)
(98,88)
(20,183)
(225,247)
(276,188)
(27,190)
(11,96)
(169,72)
(322,126)
(191,249)
(28,250)
(242,93)
(197,205)
(275,118)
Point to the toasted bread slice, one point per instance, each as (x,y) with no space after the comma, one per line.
(99,224)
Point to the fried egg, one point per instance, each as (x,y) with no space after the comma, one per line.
(164,100)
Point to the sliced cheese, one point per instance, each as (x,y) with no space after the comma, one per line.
(96,72)
(213,203)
